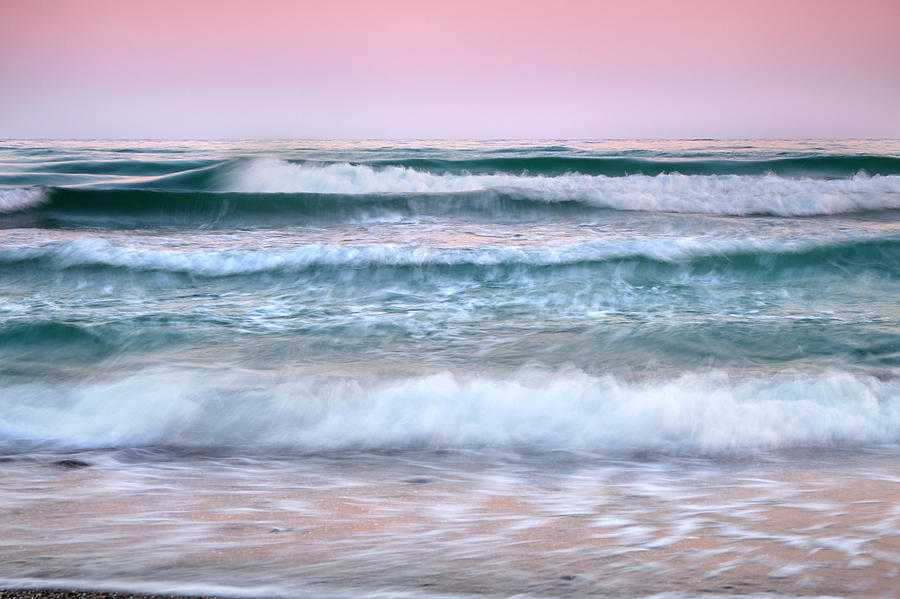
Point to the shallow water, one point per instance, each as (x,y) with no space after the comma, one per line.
(456,523)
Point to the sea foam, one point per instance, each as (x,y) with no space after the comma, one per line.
(13,200)
(670,192)
(695,413)
(879,253)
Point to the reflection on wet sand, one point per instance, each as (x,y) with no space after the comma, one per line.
(448,524)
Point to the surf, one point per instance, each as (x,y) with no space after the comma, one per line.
(270,191)
(691,414)
(753,258)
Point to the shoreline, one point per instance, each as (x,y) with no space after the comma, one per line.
(440,527)
(56,593)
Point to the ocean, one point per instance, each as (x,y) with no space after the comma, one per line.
(433,369)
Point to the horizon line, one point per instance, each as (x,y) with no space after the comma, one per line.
(450,139)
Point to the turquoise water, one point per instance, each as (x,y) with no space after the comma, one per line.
(313,295)
(168,302)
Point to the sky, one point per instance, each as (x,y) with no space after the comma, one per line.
(466,69)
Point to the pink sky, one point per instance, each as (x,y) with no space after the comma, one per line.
(464,69)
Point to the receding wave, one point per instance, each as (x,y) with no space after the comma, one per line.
(705,413)
(879,255)
(28,340)
(47,333)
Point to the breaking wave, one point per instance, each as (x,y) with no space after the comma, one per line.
(879,255)
(277,192)
(14,200)
(708,413)
(670,192)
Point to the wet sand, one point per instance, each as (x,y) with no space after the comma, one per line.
(453,525)
(60,594)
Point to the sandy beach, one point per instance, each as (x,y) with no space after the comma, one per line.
(439,525)
(60,594)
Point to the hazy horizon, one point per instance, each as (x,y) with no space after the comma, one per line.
(454,140)
(96,69)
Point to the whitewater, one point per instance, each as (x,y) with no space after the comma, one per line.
(307,368)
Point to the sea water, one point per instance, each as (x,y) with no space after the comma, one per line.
(441,368)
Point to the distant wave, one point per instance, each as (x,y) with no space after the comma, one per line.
(131,168)
(709,413)
(760,259)
(531,162)
(296,194)
(708,194)
(834,166)
(49,207)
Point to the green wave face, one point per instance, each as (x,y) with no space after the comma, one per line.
(272,184)
(810,167)
(641,264)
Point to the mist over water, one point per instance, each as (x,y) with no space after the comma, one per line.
(543,309)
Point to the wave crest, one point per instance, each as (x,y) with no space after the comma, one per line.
(735,195)
(877,254)
(15,200)
(710,413)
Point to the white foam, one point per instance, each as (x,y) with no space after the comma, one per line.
(12,200)
(710,413)
(673,192)
(92,252)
